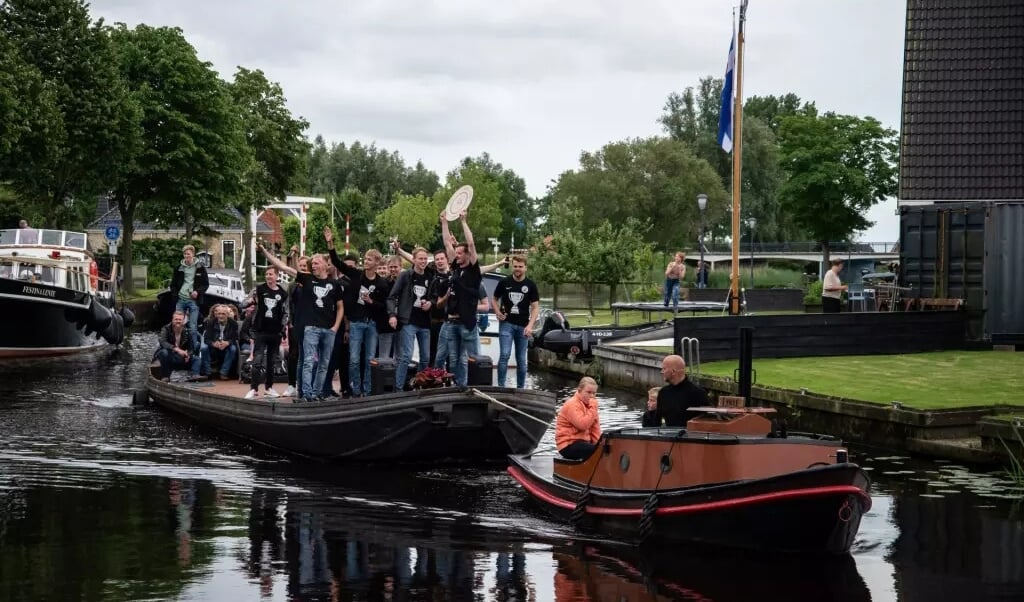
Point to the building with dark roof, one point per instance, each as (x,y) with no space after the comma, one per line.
(962,135)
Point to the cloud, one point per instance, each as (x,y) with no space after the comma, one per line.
(532,82)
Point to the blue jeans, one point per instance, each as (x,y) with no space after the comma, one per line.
(227,356)
(362,336)
(672,291)
(170,360)
(192,310)
(408,336)
(317,343)
(509,334)
(441,357)
(461,341)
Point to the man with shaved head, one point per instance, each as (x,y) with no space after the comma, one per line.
(673,399)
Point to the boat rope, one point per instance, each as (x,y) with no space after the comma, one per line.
(480,393)
(583,499)
(652,501)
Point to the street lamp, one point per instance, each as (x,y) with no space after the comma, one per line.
(751,223)
(702,277)
(369,235)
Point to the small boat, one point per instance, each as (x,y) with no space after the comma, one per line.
(53,296)
(557,336)
(732,478)
(434,424)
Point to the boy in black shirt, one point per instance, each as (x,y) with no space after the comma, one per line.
(409,308)
(462,298)
(267,326)
(324,309)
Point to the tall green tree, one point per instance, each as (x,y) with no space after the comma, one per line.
(412,218)
(773,109)
(838,166)
(78,125)
(485,212)
(275,143)
(194,157)
(654,178)
(518,210)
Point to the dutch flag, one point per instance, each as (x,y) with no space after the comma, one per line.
(725,117)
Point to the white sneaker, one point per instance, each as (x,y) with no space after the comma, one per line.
(290,391)
(271,392)
(251,394)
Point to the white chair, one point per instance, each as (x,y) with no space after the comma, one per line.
(855,297)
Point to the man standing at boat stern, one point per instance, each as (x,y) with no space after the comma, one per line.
(267,326)
(409,309)
(188,284)
(463,296)
(322,305)
(516,305)
(674,399)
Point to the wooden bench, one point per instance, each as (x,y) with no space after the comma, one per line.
(939,304)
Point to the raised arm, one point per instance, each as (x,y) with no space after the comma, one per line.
(490,268)
(468,234)
(336,261)
(277,263)
(446,237)
(396,246)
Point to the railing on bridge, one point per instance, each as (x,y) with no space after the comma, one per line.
(836,248)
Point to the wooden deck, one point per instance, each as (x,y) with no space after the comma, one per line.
(234,388)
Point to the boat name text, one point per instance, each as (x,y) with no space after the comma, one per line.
(34,290)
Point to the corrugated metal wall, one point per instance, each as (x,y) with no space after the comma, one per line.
(969,251)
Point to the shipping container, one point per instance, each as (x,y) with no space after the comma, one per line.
(971,251)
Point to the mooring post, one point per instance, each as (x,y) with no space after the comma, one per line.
(746,361)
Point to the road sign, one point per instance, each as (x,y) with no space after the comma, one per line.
(112,248)
(113,233)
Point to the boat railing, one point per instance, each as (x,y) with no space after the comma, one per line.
(72,274)
(31,237)
(691,354)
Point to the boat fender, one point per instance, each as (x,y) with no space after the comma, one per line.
(114,332)
(140,397)
(127,316)
(580,511)
(99,317)
(94,274)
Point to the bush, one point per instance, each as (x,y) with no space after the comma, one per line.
(814,290)
(647,293)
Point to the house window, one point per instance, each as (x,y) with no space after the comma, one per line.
(228,253)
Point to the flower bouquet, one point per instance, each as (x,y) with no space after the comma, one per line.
(431,378)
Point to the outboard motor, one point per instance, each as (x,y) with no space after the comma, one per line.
(555,336)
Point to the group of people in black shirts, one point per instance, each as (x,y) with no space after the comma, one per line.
(331,319)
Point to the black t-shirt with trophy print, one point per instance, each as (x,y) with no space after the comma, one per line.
(420,284)
(318,301)
(515,297)
(269,315)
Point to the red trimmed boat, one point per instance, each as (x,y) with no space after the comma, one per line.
(730,478)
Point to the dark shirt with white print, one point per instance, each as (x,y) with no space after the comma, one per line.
(420,284)
(270,310)
(515,298)
(377,287)
(319,299)
(465,293)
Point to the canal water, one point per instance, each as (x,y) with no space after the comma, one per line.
(100,500)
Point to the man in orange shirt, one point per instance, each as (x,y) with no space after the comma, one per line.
(578,427)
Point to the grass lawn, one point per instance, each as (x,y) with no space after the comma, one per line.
(603,316)
(947,379)
(144,294)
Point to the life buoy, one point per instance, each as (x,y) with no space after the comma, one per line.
(94,275)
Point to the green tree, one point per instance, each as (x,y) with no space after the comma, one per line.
(518,210)
(77,124)
(274,141)
(657,179)
(838,166)
(773,109)
(412,218)
(194,157)
(420,180)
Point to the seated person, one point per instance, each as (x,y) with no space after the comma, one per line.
(177,348)
(245,335)
(220,341)
(674,398)
(578,426)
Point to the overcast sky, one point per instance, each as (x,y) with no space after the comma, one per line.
(534,82)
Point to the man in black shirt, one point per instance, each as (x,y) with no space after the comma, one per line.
(676,397)
(409,308)
(363,315)
(324,309)
(516,305)
(267,326)
(461,299)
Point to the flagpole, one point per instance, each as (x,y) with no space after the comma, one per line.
(737,167)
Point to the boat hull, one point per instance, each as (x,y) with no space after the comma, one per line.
(46,321)
(427,425)
(813,510)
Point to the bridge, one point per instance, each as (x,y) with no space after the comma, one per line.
(798,251)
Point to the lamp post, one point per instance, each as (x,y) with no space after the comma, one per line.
(752,223)
(702,204)
(369,233)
